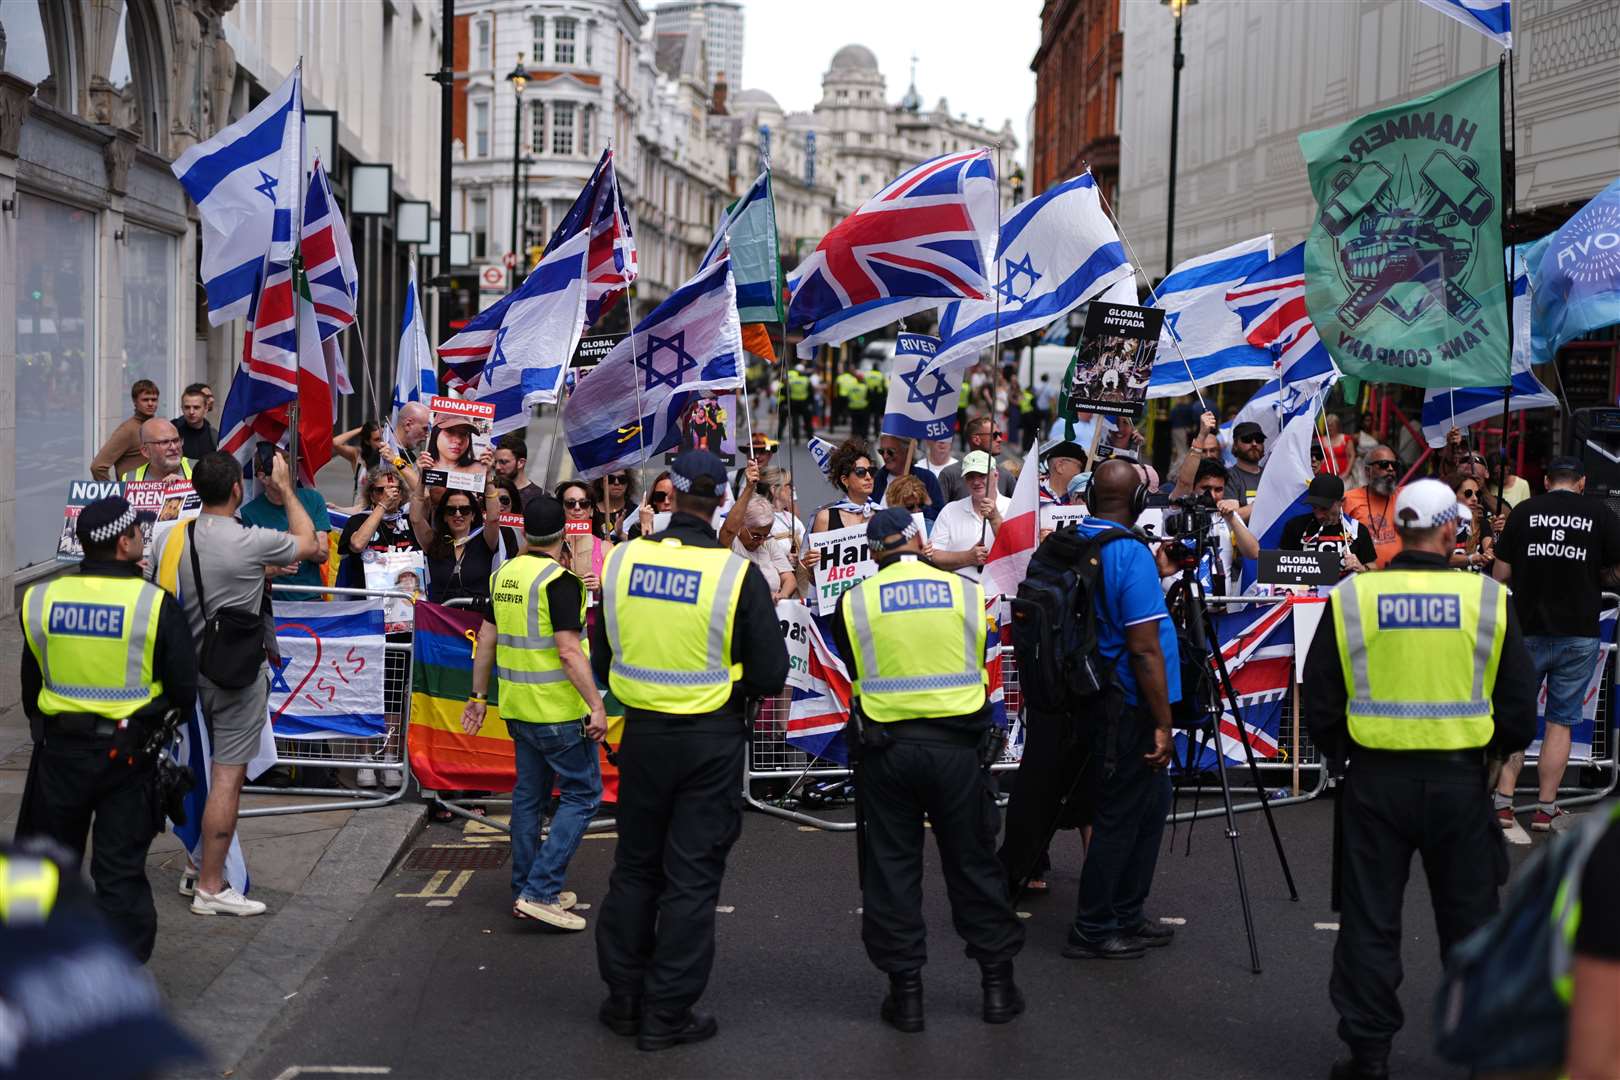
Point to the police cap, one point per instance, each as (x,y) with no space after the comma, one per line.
(698,472)
(105,520)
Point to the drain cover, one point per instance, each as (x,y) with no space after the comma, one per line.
(458,857)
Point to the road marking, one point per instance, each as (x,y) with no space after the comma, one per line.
(1024,915)
(440,903)
(600,836)
(1170,920)
(724,909)
(333,1070)
(1326,925)
(580,907)
(808,828)
(437,887)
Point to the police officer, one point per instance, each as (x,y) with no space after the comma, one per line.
(858,404)
(798,395)
(109,654)
(877,393)
(916,636)
(688,636)
(1419,677)
(841,386)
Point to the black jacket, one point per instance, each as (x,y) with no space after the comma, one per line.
(1513,698)
(756,636)
(174,657)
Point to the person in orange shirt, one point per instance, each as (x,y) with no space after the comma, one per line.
(1374,504)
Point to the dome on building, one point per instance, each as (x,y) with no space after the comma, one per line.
(854,58)
(754,99)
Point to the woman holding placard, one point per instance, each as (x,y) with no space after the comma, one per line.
(460,550)
(588,551)
(850,469)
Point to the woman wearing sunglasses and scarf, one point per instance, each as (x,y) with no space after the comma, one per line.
(461,552)
(851,471)
(613,495)
(1476,537)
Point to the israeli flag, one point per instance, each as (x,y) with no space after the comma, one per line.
(246,182)
(1493,18)
(626,411)
(922,403)
(1056,252)
(1288,471)
(193,750)
(416,376)
(821,452)
(1445,408)
(1203,342)
(536,336)
(1575,275)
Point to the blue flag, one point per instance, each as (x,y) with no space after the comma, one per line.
(1575,276)
(1203,341)
(921,403)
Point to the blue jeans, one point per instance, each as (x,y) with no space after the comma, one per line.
(548,753)
(1567,664)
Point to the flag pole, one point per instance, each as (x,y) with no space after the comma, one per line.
(1507,120)
(298,297)
(995,254)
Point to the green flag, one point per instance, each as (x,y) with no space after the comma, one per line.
(750,229)
(1404,274)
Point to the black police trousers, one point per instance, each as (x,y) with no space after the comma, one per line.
(680,810)
(1388,810)
(1132,802)
(898,785)
(74,788)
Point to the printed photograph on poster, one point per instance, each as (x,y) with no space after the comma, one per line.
(708,424)
(180,502)
(146,496)
(845,561)
(455,481)
(400,571)
(1114,360)
(81,493)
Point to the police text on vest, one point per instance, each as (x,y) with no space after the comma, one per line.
(87,620)
(912,595)
(664,583)
(1420,611)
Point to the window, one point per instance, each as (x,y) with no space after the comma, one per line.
(537,128)
(538,23)
(535,215)
(585,116)
(56,351)
(478,211)
(562,128)
(563,42)
(37,51)
(149,293)
(480,129)
(131,76)
(481,51)
(843,95)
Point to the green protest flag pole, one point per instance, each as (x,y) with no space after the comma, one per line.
(1404,274)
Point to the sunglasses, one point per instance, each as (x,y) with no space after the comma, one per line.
(1252,439)
(1380,465)
(888,451)
(863,471)
(758,535)
(504,500)
(618,479)
(577,504)
(459,510)
(1468,493)
(658,498)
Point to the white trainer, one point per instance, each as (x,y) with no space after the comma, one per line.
(365,778)
(228,902)
(188,881)
(392,778)
(550,914)
(566,900)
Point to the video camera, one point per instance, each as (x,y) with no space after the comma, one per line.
(1189,528)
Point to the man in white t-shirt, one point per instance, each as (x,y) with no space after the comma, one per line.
(966,528)
(939,456)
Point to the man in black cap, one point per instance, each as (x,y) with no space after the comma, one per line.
(687,640)
(1326,527)
(109,655)
(922,736)
(1248,447)
(1063,461)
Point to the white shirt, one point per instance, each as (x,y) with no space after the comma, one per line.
(935,469)
(960,528)
(1152,523)
(770,557)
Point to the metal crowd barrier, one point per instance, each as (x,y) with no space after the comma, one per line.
(387,752)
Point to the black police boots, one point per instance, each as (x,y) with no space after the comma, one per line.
(622,1013)
(662,1030)
(1002,999)
(903,1008)
(1363,1065)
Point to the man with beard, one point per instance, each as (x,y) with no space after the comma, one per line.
(1248,447)
(1373,505)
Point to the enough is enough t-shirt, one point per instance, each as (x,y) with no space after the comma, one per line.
(1557,545)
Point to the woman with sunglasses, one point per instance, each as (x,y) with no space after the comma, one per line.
(660,500)
(613,495)
(450,448)
(850,468)
(575,496)
(381,524)
(1476,539)
(460,551)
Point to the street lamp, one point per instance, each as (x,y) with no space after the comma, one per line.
(519,78)
(1176,63)
(1016,180)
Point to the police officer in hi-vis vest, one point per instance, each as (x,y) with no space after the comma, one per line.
(687,639)
(915,636)
(109,654)
(797,392)
(1416,686)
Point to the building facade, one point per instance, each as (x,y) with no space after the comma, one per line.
(721,24)
(1079,71)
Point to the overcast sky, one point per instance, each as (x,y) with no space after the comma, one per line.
(973,53)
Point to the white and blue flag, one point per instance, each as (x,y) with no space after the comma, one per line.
(922,403)
(1288,471)
(1493,18)
(535,336)
(1056,252)
(328,680)
(749,232)
(1203,342)
(626,411)
(416,377)
(1575,276)
(1445,408)
(247,182)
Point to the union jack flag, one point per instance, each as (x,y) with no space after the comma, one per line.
(1258,647)
(919,243)
(334,281)
(816,718)
(1271,303)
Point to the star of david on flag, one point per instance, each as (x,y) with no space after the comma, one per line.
(625,412)
(921,403)
(1008,285)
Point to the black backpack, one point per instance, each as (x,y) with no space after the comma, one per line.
(1054,619)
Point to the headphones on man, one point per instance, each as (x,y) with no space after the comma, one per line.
(1139,500)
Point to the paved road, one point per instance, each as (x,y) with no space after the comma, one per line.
(442,982)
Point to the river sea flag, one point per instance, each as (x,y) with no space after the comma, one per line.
(1575,276)
(922,241)
(1203,342)
(416,376)
(245,182)
(921,403)
(626,411)
(1404,271)
(1055,252)
(749,232)
(536,337)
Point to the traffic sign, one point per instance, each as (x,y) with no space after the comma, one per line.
(492,277)
(509,260)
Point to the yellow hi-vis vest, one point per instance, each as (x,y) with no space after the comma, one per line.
(94,638)
(669,609)
(798,385)
(28,887)
(876,383)
(857,395)
(534,687)
(140,473)
(1419,649)
(918,635)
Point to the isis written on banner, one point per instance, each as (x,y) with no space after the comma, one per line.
(328,681)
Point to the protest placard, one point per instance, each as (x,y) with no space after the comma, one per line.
(1114,360)
(795,619)
(81,493)
(400,571)
(845,561)
(472,482)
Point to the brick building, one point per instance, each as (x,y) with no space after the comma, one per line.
(1078,71)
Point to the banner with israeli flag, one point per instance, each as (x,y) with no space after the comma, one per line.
(329,682)
(1493,18)
(416,377)
(1054,253)
(821,452)
(1575,276)
(749,230)
(1203,341)
(922,403)
(247,182)
(535,336)
(1288,470)
(1445,408)
(626,411)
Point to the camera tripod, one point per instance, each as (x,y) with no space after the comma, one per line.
(1186,600)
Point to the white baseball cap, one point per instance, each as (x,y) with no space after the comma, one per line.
(1425,504)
